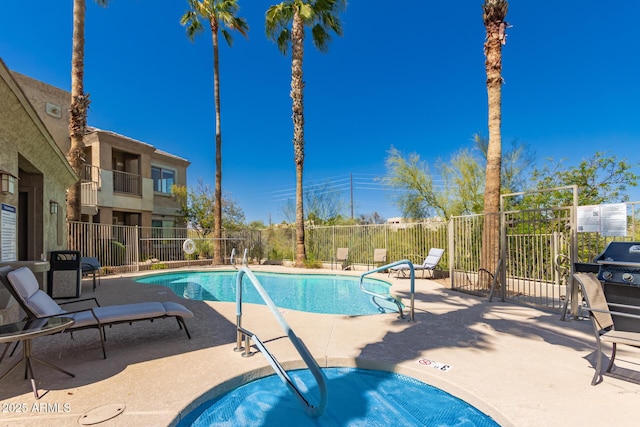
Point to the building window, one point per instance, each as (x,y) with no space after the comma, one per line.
(163,179)
(162,229)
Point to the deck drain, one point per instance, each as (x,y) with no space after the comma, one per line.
(101,414)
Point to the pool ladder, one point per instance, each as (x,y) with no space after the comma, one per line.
(412,277)
(246,336)
(232,258)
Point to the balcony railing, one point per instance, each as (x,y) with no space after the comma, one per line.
(89,194)
(91,173)
(129,183)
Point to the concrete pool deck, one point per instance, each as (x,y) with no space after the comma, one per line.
(521,365)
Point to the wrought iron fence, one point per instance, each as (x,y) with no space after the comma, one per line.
(531,242)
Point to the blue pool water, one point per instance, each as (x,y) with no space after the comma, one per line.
(357,397)
(315,293)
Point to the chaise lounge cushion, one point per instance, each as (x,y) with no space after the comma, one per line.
(29,291)
(129,312)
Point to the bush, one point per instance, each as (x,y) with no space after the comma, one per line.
(118,252)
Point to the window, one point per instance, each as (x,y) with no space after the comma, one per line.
(162,229)
(163,179)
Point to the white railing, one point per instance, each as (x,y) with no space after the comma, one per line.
(246,336)
(412,291)
(89,194)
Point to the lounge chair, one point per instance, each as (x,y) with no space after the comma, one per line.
(22,284)
(342,258)
(602,319)
(430,263)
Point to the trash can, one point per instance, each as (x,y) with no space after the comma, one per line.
(64,276)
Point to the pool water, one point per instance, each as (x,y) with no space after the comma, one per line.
(315,293)
(357,397)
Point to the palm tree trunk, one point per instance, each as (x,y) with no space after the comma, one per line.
(297,88)
(495,13)
(217,205)
(78,111)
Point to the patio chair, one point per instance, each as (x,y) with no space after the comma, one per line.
(91,265)
(22,284)
(430,263)
(379,257)
(602,318)
(342,257)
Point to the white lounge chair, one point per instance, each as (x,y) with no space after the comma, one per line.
(23,285)
(430,263)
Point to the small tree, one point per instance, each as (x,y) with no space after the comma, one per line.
(460,189)
(197,209)
(599,179)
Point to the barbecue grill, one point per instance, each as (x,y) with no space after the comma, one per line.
(619,272)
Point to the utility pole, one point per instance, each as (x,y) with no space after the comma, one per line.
(351,191)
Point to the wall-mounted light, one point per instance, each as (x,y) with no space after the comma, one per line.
(53,207)
(8,185)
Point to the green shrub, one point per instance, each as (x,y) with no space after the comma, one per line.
(118,252)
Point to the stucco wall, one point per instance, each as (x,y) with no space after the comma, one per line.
(29,152)
(39,95)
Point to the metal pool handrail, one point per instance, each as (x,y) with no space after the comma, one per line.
(232,258)
(314,411)
(412,277)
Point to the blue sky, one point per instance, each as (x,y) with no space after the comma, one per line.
(411,77)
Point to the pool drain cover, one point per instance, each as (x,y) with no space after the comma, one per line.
(101,414)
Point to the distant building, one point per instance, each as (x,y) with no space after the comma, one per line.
(124,181)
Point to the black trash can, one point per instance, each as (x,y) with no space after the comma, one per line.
(65,273)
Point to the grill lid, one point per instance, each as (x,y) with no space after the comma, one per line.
(621,254)
(620,263)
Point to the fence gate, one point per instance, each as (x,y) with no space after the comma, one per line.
(536,256)
(537,249)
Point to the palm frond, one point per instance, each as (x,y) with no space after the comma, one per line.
(320,38)
(191,22)
(227,36)
(284,38)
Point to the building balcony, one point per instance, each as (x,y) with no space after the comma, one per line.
(89,198)
(91,173)
(127,183)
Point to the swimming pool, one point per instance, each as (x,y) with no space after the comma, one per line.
(315,293)
(357,397)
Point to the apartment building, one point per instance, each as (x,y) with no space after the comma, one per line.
(124,181)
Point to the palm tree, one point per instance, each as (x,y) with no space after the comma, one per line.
(322,17)
(78,109)
(494,14)
(215,12)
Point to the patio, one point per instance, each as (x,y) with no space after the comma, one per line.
(521,365)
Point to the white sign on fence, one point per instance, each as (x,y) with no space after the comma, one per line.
(608,220)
